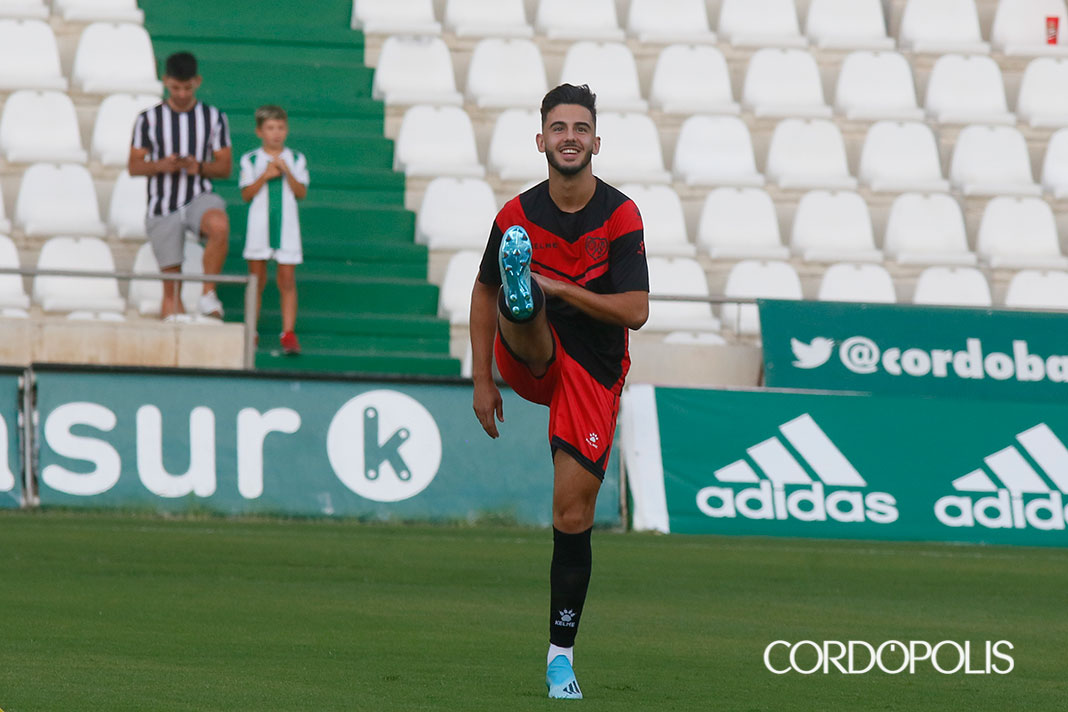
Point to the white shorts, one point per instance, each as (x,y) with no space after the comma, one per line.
(258,247)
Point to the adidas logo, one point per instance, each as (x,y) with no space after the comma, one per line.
(1025,499)
(572,688)
(787,491)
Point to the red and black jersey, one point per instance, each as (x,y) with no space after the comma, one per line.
(600,247)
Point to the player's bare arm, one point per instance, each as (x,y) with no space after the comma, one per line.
(138,166)
(220,164)
(299,189)
(629,309)
(483,327)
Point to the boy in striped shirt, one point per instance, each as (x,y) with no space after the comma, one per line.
(273,179)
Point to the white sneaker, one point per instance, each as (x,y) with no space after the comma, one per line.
(210,305)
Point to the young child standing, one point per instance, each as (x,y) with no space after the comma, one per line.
(274,178)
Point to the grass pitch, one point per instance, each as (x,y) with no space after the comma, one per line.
(112,612)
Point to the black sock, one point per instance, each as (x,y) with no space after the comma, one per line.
(569,577)
(539,302)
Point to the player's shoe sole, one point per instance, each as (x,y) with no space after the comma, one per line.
(560,679)
(514,260)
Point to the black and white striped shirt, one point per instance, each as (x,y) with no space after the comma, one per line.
(162,131)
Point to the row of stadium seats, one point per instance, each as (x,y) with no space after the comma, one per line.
(111,57)
(89,296)
(691,79)
(74,10)
(718,150)
(843,281)
(739,223)
(1019,26)
(43,126)
(61,199)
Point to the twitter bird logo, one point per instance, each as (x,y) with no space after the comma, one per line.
(811,355)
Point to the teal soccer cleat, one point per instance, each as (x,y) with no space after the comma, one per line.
(561,680)
(514,260)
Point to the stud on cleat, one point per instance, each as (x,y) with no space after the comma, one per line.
(514,258)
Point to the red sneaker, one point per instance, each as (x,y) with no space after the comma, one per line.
(289,342)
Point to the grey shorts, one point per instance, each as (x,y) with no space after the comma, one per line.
(166,233)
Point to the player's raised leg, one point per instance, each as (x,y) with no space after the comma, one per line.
(574,501)
(522,323)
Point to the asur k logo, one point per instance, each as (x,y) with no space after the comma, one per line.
(1023,499)
(384,446)
(813,354)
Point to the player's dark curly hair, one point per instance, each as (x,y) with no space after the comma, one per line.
(181,66)
(570,94)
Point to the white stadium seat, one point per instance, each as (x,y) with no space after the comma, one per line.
(666,21)
(66,294)
(454,303)
(115,58)
(692,79)
(679,277)
(941,26)
(927,229)
(830,227)
(126,212)
(847,282)
(456,214)
(952,286)
(12,293)
(29,56)
(436,140)
(768,23)
(24,9)
(5,224)
(41,126)
(578,20)
(611,72)
(513,150)
(716,150)
(1019,27)
(663,219)
(99,11)
(757,279)
(1042,100)
(738,223)
(114,125)
(630,150)
(899,157)
(963,90)
(876,85)
(808,154)
(146,296)
(506,73)
(992,160)
(415,70)
(847,24)
(1055,165)
(1019,233)
(1036,289)
(783,82)
(482,18)
(395,17)
(58,199)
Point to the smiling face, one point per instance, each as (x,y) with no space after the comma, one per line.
(568,139)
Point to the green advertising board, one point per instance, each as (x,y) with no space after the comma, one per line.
(836,465)
(11,465)
(243,445)
(892,348)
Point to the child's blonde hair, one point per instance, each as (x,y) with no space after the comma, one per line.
(270,111)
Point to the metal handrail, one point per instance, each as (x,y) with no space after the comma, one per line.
(249,280)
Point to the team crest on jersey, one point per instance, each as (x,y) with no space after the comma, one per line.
(596,247)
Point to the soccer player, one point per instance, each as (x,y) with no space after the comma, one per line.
(180,144)
(562,279)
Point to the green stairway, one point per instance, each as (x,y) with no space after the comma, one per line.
(365,303)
